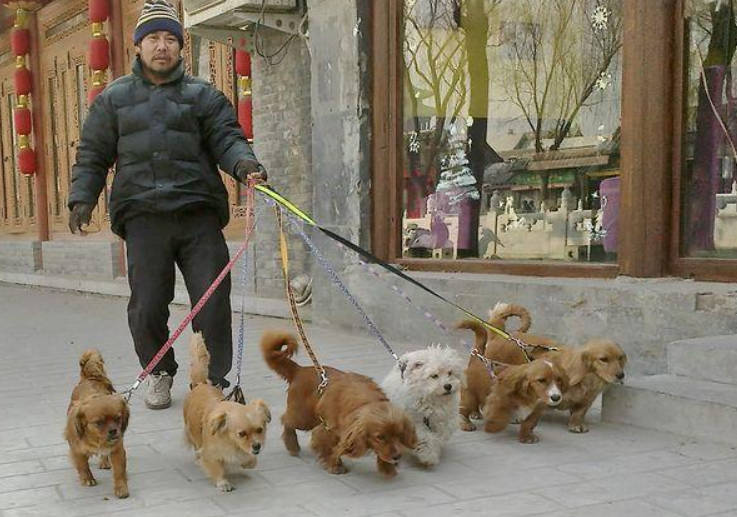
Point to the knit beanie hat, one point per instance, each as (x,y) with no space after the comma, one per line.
(158,15)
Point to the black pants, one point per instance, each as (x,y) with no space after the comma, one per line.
(193,240)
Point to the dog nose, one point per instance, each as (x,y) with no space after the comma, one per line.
(397,457)
(448,387)
(620,375)
(555,397)
(256,447)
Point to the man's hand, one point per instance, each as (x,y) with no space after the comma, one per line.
(249,170)
(80,215)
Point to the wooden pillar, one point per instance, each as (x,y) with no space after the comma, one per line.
(647,136)
(42,204)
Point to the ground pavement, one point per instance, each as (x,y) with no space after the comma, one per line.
(611,471)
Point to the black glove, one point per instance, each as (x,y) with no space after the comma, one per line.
(250,169)
(80,216)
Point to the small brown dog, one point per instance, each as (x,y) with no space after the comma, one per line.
(522,393)
(496,348)
(352,416)
(220,431)
(97,418)
(590,368)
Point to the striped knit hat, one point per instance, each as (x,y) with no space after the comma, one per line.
(158,15)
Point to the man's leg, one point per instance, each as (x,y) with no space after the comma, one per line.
(151,279)
(201,255)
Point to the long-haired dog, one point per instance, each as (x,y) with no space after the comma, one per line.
(349,418)
(591,368)
(222,432)
(426,385)
(97,418)
(496,348)
(523,392)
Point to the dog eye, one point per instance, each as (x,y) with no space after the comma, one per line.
(604,359)
(259,430)
(434,376)
(380,437)
(242,434)
(542,381)
(100,423)
(450,374)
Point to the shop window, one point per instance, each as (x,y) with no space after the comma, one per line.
(511,129)
(709,185)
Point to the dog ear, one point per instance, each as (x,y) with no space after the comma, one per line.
(124,416)
(217,422)
(523,383)
(408,438)
(264,409)
(354,441)
(580,367)
(80,422)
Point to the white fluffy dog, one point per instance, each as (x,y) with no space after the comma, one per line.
(426,385)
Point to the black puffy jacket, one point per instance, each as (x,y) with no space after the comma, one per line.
(167,140)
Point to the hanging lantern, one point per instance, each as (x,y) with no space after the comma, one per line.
(245,103)
(99,11)
(27,161)
(22,80)
(20,41)
(22,120)
(99,53)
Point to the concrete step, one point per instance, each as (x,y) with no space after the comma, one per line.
(681,405)
(707,358)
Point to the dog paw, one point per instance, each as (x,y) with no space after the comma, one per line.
(475,415)
(224,486)
(530,438)
(467,426)
(338,469)
(121,492)
(88,481)
(104,462)
(580,428)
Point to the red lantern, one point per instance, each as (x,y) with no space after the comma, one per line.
(94,91)
(22,81)
(243,63)
(245,116)
(99,53)
(99,10)
(20,42)
(27,161)
(22,119)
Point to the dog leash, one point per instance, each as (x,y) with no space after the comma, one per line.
(236,394)
(369,257)
(330,270)
(186,321)
(284,252)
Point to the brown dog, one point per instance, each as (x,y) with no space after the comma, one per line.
(97,418)
(220,431)
(590,368)
(351,417)
(496,348)
(522,392)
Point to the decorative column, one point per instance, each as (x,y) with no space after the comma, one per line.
(20,41)
(245,104)
(98,56)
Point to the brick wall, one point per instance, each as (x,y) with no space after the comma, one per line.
(283,143)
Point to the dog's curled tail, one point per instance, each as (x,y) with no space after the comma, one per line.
(91,365)
(479,330)
(199,360)
(501,311)
(278,347)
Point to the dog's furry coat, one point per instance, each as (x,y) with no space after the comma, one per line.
(351,417)
(426,385)
(97,418)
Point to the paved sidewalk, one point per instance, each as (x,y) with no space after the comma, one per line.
(611,471)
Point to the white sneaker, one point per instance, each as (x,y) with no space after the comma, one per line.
(158,395)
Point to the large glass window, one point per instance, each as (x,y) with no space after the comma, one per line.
(511,129)
(709,190)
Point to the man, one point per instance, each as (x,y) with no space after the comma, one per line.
(167,133)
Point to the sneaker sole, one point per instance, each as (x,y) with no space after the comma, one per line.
(158,406)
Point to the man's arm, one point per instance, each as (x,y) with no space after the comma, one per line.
(224,136)
(96,153)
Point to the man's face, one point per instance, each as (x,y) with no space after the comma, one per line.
(159,52)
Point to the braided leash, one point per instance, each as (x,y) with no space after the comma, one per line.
(293,304)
